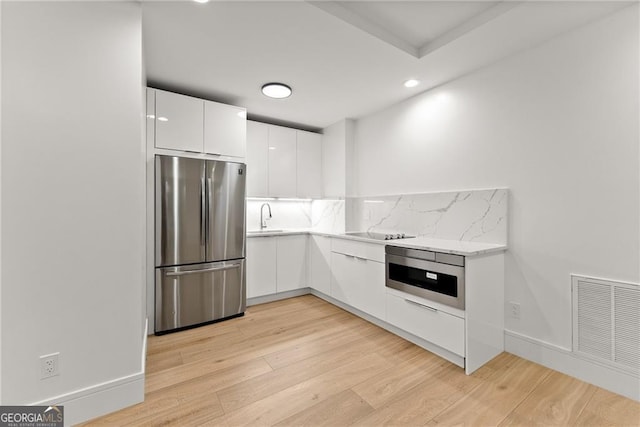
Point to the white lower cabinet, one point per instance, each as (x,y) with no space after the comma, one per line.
(358,280)
(319,264)
(291,262)
(343,268)
(426,322)
(261,266)
(276,264)
(353,273)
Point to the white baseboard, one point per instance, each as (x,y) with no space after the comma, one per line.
(277,297)
(91,402)
(101,399)
(564,360)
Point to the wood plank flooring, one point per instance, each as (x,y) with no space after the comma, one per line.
(304,362)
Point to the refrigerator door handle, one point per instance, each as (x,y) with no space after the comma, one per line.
(203,215)
(206,270)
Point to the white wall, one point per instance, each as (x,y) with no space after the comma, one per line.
(72,201)
(0,203)
(558,125)
(333,159)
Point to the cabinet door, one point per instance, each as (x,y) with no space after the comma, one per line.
(261,266)
(344,269)
(257,159)
(282,162)
(371,290)
(225,129)
(291,262)
(309,164)
(320,264)
(179,122)
(426,322)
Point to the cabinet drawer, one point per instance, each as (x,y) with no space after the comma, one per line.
(370,251)
(435,326)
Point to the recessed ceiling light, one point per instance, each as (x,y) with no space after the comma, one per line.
(201,1)
(411,83)
(276,90)
(163,119)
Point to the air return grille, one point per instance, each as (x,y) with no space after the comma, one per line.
(606,321)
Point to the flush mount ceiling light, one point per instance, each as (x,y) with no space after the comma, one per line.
(201,1)
(411,83)
(276,90)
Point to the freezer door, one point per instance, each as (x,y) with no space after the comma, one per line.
(225,210)
(180,211)
(191,295)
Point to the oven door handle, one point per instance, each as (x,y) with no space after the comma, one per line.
(435,310)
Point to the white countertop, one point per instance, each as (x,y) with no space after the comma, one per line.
(424,243)
(456,247)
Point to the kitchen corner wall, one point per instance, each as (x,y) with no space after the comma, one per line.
(558,126)
(72,205)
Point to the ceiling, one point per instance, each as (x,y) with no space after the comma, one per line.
(342,59)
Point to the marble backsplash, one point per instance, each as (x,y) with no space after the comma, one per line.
(328,216)
(474,215)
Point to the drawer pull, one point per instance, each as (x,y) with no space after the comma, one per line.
(435,310)
(342,253)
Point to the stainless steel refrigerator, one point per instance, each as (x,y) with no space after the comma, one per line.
(199,241)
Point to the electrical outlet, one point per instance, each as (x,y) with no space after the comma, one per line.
(49,365)
(514,309)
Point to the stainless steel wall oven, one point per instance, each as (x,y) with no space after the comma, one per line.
(435,276)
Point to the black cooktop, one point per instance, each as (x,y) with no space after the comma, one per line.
(378,236)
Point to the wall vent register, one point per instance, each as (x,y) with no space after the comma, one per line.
(606,321)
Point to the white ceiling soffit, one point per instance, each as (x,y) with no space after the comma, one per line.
(226,50)
(416,27)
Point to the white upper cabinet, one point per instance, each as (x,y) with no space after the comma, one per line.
(179,122)
(309,164)
(225,129)
(257,159)
(185,123)
(282,161)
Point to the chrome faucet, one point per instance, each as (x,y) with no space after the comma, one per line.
(263,221)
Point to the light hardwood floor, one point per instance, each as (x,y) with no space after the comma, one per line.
(303,361)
